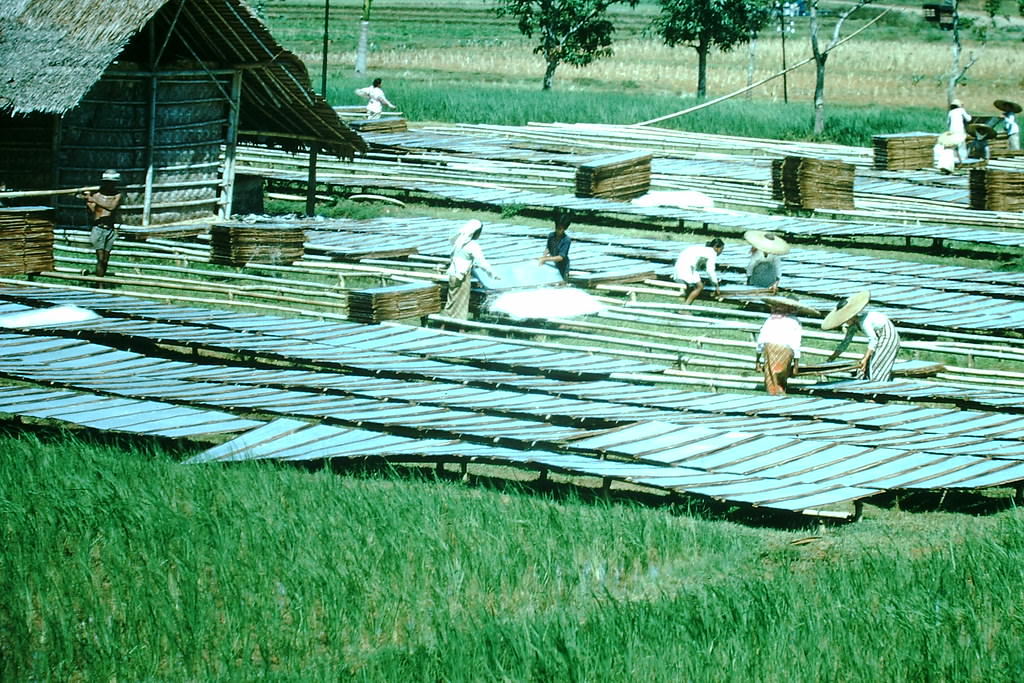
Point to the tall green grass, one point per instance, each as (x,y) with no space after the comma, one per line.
(126,565)
(499,105)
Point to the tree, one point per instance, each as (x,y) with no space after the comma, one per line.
(574,32)
(821,57)
(364,31)
(703,24)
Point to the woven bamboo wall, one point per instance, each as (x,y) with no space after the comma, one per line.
(26,151)
(111,129)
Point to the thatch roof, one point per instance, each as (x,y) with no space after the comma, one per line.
(52,52)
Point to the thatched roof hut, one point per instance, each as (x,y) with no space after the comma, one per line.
(159,89)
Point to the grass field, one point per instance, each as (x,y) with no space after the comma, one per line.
(123,565)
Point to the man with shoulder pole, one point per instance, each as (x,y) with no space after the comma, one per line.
(103,206)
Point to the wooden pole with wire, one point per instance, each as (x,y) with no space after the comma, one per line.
(759,83)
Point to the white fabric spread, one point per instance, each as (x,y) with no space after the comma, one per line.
(546,303)
(683,199)
(47,316)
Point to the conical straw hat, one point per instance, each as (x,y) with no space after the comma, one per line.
(980,130)
(851,307)
(768,242)
(1007,105)
(949,139)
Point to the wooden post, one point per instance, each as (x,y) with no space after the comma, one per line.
(311,182)
(231,146)
(147,199)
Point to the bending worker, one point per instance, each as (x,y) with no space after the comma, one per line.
(764,270)
(883,340)
(778,343)
(466,254)
(557,250)
(692,260)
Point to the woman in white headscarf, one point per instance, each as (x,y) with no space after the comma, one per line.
(466,253)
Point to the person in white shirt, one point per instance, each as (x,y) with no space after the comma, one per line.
(692,260)
(883,339)
(1012,130)
(466,254)
(956,123)
(376,99)
(778,345)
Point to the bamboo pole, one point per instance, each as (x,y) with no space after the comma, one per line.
(20,194)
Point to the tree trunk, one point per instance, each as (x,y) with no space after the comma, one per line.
(954,68)
(364,31)
(819,73)
(751,60)
(819,93)
(549,74)
(702,67)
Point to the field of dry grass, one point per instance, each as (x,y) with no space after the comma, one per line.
(861,72)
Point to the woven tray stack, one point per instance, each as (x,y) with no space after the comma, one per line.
(616,176)
(805,183)
(391,124)
(26,240)
(903,151)
(997,190)
(235,244)
(409,300)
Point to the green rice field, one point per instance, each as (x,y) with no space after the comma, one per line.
(120,564)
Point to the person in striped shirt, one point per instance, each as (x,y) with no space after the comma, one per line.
(883,339)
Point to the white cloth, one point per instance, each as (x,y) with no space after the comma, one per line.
(689,259)
(873,324)
(945,158)
(546,303)
(781,329)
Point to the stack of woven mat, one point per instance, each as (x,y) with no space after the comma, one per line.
(409,300)
(615,176)
(26,240)
(997,190)
(903,151)
(390,124)
(235,244)
(806,183)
